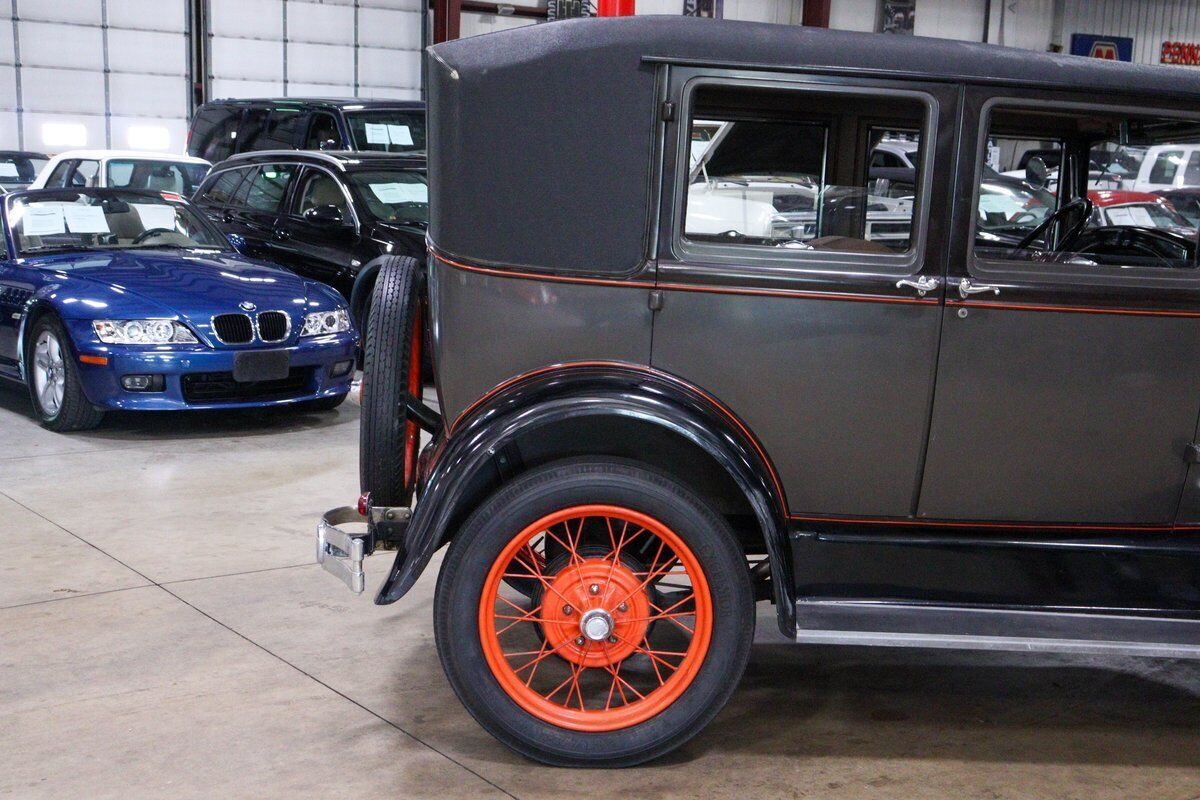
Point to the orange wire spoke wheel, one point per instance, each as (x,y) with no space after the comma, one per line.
(618,624)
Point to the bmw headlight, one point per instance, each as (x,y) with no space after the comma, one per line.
(142,331)
(320,323)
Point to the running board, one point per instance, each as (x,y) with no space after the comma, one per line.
(908,625)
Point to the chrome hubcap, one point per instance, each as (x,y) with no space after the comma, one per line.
(596,625)
(49,373)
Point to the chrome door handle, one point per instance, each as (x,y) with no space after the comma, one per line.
(966,288)
(923,284)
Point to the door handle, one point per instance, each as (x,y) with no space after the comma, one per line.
(966,288)
(923,284)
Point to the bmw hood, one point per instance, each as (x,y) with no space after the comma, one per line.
(194,286)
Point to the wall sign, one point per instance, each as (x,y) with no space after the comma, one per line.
(1184,53)
(1112,48)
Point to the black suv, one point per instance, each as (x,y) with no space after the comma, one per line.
(225,127)
(328,216)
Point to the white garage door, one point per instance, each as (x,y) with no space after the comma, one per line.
(93,73)
(309,48)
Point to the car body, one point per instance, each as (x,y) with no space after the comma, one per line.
(240,325)
(222,128)
(19,168)
(123,169)
(982,436)
(322,214)
(1166,167)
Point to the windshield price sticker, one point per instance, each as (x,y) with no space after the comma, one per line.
(8,170)
(377,133)
(400,134)
(396,193)
(155,215)
(43,220)
(85,219)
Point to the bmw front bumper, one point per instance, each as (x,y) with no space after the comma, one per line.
(197,376)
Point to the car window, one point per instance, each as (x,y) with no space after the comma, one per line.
(213,132)
(87,219)
(323,133)
(221,190)
(789,170)
(86,173)
(58,177)
(1166,164)
(266,187)
(1191,176)
(1041,218)
(253,126)
(321,189)
(18,170)
(388,131)
(393,195)
(160,176)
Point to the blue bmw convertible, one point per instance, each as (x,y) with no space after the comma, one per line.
(113,299)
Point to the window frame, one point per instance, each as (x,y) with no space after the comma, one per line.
(826,262)
(301,181)
(998,269)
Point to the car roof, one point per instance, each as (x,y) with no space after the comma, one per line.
(27,153)
(343,160)
(142,155)
(585,145)
(1115,197)
(343,103)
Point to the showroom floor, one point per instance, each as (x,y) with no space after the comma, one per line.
(163,633)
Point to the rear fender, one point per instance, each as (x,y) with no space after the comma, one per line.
(466,465)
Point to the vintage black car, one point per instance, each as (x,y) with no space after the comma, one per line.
(333,217)
(662,398)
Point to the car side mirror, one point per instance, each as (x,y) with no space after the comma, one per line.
(236,241)
(1037,174)
(329,215)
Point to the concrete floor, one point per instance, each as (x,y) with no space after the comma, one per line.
(163,633)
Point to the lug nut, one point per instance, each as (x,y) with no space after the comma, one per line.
(594,589)
(579,641)
(568,610)
(612,640)
(623,607)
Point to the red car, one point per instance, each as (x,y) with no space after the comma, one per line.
(1137,209)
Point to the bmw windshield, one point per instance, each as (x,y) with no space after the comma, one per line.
(69,220)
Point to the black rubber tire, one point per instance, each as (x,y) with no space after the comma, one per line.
(324,403)
(543,491)
(394,307)
(76,412)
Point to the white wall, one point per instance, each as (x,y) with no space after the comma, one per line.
(94,73)
(331,48)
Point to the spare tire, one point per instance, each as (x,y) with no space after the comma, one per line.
(387,454)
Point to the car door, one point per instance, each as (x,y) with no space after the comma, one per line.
(821,337)
(254,211)
(17,285)
(318,234)
(1067,388)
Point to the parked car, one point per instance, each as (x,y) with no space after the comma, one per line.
(222,128)
(18,168)
(971,440)
(333,217)
(1140,210)
(118,299)
(1168,166)
(122,169)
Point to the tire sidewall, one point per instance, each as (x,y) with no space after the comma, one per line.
(492,527)
(48,323)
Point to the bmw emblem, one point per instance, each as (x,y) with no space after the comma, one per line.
(246,305)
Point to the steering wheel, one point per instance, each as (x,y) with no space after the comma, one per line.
(1082,203)
(1135,242)
(146,234)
